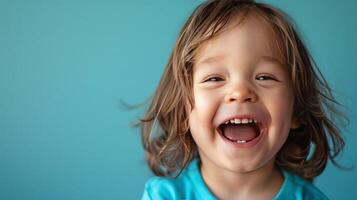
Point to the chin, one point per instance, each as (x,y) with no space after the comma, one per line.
(250,165)
(240,166)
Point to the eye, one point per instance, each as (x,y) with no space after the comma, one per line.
(213,79)
(265,78)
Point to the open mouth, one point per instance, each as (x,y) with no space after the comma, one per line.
(240,131)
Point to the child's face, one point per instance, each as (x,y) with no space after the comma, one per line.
(242,80)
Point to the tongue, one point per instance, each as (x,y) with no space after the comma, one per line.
(239,132)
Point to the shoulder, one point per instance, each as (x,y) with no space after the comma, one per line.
(161,188)
(298,188)
(185,186)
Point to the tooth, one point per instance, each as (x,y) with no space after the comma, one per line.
(241,141)
(250,120)
(237,121)
(226,122)
(244,121)
(232,121)
(255,121)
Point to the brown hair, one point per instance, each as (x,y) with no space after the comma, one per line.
(165,130)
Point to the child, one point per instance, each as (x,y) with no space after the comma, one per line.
(241,110)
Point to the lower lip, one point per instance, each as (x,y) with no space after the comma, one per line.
(249,144)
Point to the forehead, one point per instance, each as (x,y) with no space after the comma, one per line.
(251,38)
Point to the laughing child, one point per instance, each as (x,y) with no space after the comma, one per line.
(241,111)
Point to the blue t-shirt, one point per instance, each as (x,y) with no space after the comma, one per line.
(190,185)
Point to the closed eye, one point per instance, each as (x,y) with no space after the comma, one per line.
(266,78)
(213,79)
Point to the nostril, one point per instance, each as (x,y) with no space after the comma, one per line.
(241,96)
(248,99)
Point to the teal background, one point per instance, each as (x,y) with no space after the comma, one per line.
(65,66)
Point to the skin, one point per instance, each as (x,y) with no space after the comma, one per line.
(230,77)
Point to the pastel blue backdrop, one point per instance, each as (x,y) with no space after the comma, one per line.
(65,66)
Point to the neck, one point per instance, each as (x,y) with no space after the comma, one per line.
(262,183)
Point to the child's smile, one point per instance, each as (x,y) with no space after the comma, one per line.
(243,130)
(240,77)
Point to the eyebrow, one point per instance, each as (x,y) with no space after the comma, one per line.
(211,59)
(271,59)
(220,57)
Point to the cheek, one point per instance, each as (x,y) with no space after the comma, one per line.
(202,114)
(281,107)
(203,101)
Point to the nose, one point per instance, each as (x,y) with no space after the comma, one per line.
(242,94)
